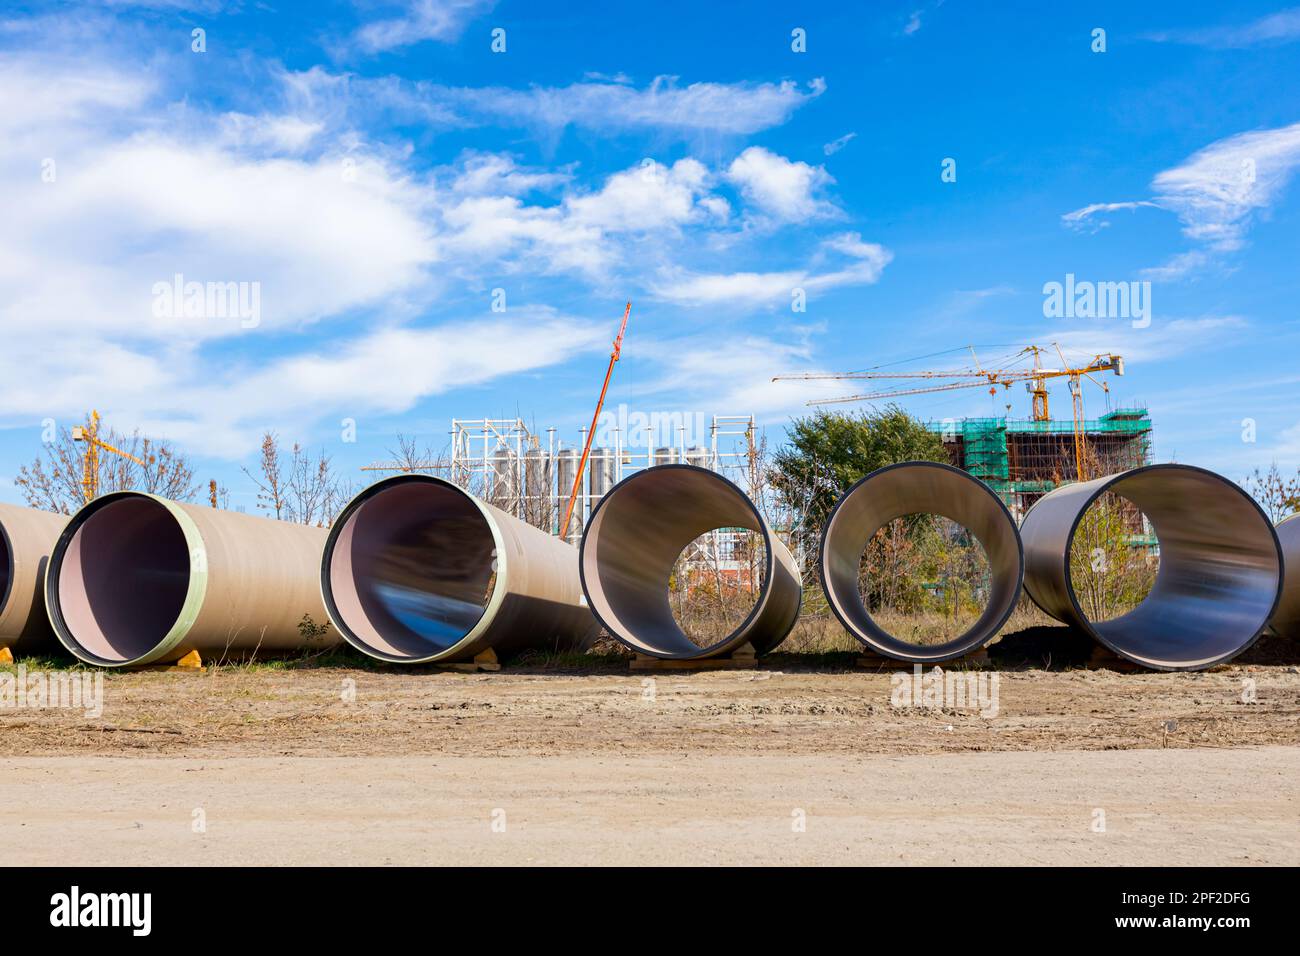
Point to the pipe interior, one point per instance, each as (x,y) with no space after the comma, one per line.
(920,489)
(634,540)
(716,583)
(6,569)
(413,570)
(123,578)
(1218,576)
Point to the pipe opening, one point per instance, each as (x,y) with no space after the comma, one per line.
(936,509)
(6,569)
(924,578)
(1286,620)
(631,550)
(411,569)
(122,579)
(1218,576)
(1114,558)
(715,583)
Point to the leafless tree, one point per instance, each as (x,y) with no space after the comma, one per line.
(272,487)
(54,481)
(301,488)
(1278,495)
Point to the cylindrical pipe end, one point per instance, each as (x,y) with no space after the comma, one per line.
(122,587)
(633,540)
(1219,576)
(417,570)
(919,487)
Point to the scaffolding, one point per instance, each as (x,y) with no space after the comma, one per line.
(529,473)
(1022,460)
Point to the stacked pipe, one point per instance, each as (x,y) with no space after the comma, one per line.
(139,579)
(416,570)
(27,537)
(1220,574)
(910,488)
(633,540)
(1286,620)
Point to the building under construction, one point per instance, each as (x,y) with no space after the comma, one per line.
(1022,460)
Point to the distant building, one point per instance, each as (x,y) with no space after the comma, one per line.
(1022,460)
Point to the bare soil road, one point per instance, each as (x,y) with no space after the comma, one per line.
(788,764)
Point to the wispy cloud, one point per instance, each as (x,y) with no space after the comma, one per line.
(1280,27)
(1217,193)
(663,106)
(865,261)
(1160,342)
(421,20)
(1090,218)
(835,145)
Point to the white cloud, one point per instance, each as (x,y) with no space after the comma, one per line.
(835,145)
(700,109)
(1161,341)
(1088,220)
(583,232)
(442,20)
(483,174)
(87,249)
(1217,191)
(334,231)
(1280,27)
(1217,194)
(779,187)
(737,377)
(866,262)
(224,409)
(275,133)
(1177,266)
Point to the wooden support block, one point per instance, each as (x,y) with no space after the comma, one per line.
(742,658)
(6,656)
(876,662)
(868,659)
(1103,659)
(191,663)
(484,661)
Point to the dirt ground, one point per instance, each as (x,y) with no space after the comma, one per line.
(588,762)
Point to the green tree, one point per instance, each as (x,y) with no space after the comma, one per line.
(829,451)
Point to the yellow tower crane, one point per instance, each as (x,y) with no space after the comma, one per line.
(1035,378)
(90,460)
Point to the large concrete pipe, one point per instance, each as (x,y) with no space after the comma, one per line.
(1220,571)
(1286,619)
(140,579)
(27,537)
(417,570)
(634,538)
(919,487)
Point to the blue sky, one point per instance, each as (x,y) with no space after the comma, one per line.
(377,170)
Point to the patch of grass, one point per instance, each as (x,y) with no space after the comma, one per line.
(593,660)
(38,662)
